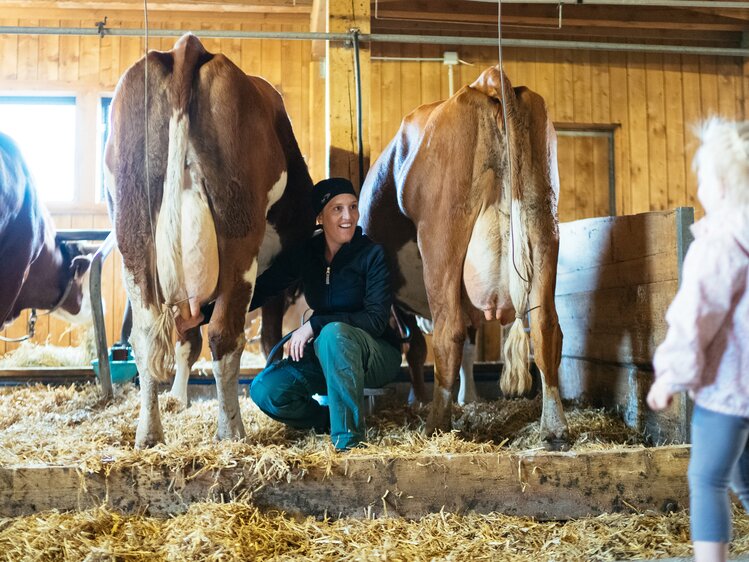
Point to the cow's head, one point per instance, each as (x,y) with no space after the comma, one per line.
(75,304)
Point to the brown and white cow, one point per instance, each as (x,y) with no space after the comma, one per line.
(469,230)
(37,270)
(222,161)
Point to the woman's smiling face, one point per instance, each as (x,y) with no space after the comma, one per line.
(339,218)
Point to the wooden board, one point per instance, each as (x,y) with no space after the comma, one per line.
(617,277)
(623,388)
(540,484)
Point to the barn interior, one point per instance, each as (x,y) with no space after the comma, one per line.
(625,81)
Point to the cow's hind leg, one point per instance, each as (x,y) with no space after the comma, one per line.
(149,431)
(448,338)
(226,340)
(547,346)
(186,353)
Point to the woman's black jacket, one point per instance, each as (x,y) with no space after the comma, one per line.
(354,288)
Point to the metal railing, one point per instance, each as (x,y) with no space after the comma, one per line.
(97,310)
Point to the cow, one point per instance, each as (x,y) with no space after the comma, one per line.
(205,187)
(466,208)
(39,271)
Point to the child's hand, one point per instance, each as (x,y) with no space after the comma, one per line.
(659,397)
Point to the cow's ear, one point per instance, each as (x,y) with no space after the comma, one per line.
(80,265)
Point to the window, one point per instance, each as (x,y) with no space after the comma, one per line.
(585,154)
(103,132)
(44,129)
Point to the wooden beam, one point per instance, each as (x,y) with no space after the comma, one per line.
(572,15)
(342,150)
(539,484)
(318,24)
(172,19)
(580,33)
(255,6)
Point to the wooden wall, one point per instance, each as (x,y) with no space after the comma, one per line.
(649,101)
(89,67)
(616,278)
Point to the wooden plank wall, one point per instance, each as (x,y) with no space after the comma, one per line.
(89,67)
(651,101)
(616,278)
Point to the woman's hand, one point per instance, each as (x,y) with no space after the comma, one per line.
(659,396)
(296,344)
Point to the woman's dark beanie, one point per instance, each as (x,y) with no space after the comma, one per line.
(325,190)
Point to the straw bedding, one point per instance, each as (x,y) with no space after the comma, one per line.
(239,531)
(31,354)
(69,425)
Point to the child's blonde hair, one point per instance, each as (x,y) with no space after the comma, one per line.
(725,145)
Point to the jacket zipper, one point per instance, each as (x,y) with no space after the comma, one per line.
(327,275)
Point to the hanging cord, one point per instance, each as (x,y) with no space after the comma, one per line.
(145,133)
(146,158)
(507,132)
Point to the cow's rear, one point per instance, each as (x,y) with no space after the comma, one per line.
(475,204)
(193,182)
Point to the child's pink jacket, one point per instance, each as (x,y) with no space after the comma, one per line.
(706,350)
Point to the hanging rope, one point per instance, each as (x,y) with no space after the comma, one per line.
(146,158)
(508,152)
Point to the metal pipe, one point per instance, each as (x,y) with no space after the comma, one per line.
(359,123)
(654,3)
(410,59)
(207,33)
(100,330)
(74,235)
(549,44)
(391,38)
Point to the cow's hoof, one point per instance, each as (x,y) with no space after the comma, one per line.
(557,441)
(150,439)
(557,445)
(437,424)
(417,399)
(175,403)
(230,434)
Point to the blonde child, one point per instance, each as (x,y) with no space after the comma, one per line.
(706,350)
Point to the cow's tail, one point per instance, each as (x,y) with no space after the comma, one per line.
(516,377)
(187,53)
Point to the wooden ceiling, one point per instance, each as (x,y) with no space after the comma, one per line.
(665,22)
(677,24)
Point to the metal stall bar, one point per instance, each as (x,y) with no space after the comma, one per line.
(97,310)
(73,235)
(388,38)
(100,330)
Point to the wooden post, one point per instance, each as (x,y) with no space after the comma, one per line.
(340,91)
